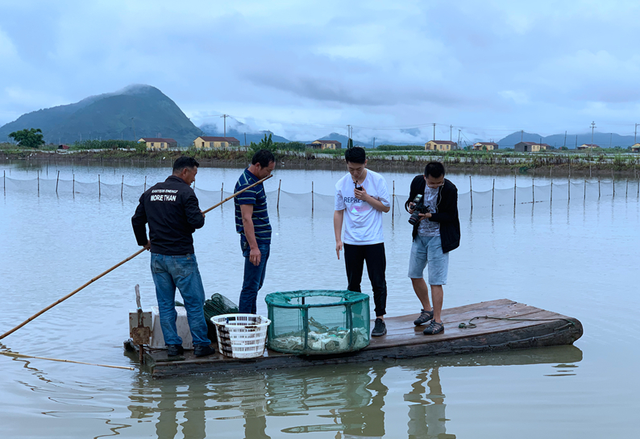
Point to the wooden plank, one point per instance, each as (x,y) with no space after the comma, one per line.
(404,340)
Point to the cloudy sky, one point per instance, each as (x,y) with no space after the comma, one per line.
(303,69)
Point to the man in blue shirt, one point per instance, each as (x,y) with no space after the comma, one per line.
(252,223)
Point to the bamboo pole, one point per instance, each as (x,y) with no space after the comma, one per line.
(145,184)
(312,197)
(471,192)
(99,189)
(598,187)
(17,355)
(38,177)
(114,267)
(73,185)
(4,185)
(222,191)
(57,180)
(122,189)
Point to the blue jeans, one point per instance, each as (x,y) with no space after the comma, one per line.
(180,271)
(253,276)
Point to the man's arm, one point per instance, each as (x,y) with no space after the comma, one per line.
(139,221)
(246,210)
(373,202)
(195,217)
(338,216)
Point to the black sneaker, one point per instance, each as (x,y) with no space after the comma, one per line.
(173,350)
(433,328)
(203,351)
(425,316)
(379,328)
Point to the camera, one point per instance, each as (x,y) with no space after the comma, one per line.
(358,187)
(418,208)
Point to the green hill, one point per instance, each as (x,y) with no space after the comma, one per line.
(134,112)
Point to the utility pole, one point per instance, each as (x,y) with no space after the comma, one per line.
(459,137)
(434,131)
(564,145)
(224,116)
(450,133)
(521,135)
(635,134)
(593,127)
(374,143)
(576,141)
(611,141)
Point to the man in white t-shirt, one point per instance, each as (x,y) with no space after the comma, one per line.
(361,198)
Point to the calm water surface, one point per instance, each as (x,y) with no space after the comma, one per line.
(576,255)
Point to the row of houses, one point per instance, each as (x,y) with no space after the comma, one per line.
(447,145)
(211,142)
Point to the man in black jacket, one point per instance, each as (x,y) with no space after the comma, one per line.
(436,231)
(172,211)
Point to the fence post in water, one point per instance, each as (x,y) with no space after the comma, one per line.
(57,179)
(569,189)
(73,185)
(493,191)
(598,188)
(145,184)
(533,190)
(122,189)
(278,202)
(393,200)
(38,176)
(4,185)
(222,191)
(584,196)
(471,192)
(613,184)
(312,197)
(515,185)
(99,189)
(626,192)
(551,195)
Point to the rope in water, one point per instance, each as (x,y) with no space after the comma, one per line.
(17,355)
(470,325)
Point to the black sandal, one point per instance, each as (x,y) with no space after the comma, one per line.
(434,328)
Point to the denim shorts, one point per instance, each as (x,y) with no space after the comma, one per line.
(428,249)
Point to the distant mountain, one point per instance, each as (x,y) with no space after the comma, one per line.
(604,140)
(240,131)
(134,112)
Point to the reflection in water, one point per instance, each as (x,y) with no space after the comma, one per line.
(426,412)
(347,401)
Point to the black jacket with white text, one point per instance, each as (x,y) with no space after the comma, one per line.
(171,209)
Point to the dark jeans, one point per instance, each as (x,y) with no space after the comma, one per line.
(168,273)
(354,258)
(253,276)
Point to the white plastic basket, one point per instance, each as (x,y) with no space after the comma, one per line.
(241,335)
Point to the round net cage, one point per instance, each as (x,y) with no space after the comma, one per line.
(318,322)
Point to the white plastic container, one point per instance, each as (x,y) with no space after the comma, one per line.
(241,335)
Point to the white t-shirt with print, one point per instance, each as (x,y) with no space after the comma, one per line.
(362,223)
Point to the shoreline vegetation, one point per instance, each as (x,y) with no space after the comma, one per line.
(606,163)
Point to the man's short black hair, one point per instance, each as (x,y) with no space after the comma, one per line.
(263,157)
(184,162)
(355,155)
(434,169)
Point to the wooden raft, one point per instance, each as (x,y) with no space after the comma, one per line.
(502,331)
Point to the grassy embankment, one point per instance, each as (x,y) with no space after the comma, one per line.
(604,162)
